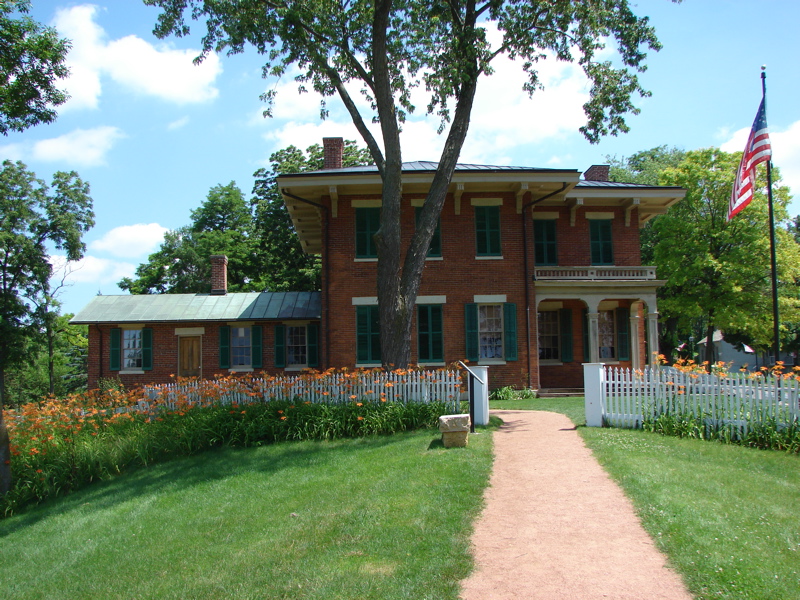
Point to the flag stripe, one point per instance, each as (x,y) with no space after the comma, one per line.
(757,151)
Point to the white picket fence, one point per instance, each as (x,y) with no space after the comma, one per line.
(408,386)
(627,397)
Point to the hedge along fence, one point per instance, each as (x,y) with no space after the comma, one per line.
(727,406)
(337,387)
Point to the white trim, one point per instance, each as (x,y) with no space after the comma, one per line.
(131,372)
(488,258)
(431,299)
(489,298)
(599,216)
(486,202)
(366,260)
(365,301)
(434,258)
(366,203)
(190,331)
(545,216)
(432,364)
(491,361)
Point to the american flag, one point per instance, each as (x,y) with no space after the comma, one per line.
(758,150)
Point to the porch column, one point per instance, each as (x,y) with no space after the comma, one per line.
(594,337)
(636,342)
(652,335)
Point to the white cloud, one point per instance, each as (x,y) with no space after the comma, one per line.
(131,241)
(92,269)
(178,124)
(785,152)
(82,146)
(132,62)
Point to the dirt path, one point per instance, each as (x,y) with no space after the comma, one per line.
(556,526)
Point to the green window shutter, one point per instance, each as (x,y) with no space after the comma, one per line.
(256,351)
(436,241)
(280,346)
(587,355)
(224,347)
(487,230)
(510,330)
(471,322)
(545,247)
(368,348)
(147,349)
(312,341)
(115,350)
(623,333)
(367,224)
(601,243)
(565,333)
(437,333)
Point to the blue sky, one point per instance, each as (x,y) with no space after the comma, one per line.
(152,133)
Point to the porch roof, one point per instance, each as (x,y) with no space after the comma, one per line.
(162,308)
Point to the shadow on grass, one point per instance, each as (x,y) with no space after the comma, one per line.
(184,472)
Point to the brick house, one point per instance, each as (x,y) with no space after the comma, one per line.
(531,271)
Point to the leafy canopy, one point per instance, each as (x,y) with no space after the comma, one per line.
(31,63)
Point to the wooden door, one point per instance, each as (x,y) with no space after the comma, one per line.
(189,356)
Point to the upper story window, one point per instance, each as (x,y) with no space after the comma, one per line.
(487,231)
(240,347)
(545,248)
(367,224)
(435,249)
(131,349)
(601,242)
(297,346)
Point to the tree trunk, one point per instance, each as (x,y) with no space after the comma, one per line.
(5,443)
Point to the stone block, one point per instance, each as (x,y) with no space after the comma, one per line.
(451,423)
(455,439)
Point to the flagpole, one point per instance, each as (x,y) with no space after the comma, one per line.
(773,257)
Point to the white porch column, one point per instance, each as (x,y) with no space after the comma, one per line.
(636,342)
(652,335)
(594,337)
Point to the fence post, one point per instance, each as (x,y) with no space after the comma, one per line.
(593,375)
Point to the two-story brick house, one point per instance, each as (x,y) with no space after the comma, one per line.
(531,271)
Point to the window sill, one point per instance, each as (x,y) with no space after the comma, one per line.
(371,365)
(491,361)
(432,364)
(296,368)
(366,259)
(131,372)
(488,258)
(434,258)
(241,370)
(551,363)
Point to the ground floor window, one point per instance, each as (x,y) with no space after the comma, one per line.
(297,345)
(491,331)
(240,347)
(368,335)
(429,333)
(613,335)
(549,333)
(131,349)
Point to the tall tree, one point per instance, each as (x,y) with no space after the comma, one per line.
(284,265)
(31,63)
(718,269)
(32,217)
(387,48)
(221,225)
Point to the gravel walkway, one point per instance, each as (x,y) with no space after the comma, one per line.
(556,526)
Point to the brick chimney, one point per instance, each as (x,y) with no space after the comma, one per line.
(219,275)
(597,173)
(332,151)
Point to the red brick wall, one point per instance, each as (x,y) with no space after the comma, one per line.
(165,353)
(574,248)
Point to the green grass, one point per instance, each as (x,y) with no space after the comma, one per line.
(379,517)
(726,516)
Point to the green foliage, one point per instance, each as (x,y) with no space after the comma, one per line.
(61,446)
(510,393)
(31,63)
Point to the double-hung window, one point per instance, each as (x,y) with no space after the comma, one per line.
(602,245)
(131,349)
(435,249)
(240,347)
(545,248)
(613,329)
(368,335)
(367,224)
(487,231)
(555,335)
(491,331)
(297,346)
(429,333)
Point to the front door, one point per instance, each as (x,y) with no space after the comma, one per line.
(189,356)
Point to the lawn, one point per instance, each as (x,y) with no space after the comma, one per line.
(380,517)
(727,517)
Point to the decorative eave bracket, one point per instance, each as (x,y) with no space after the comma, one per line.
(629,205)
(573,204)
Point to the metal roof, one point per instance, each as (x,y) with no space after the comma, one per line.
(425,166)
(584,183)
(247,306)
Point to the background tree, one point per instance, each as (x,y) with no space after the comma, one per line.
(285,267)
(718,270)
(32,217)
(31,63)
(391,46)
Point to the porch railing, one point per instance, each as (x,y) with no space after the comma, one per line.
(594,273)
